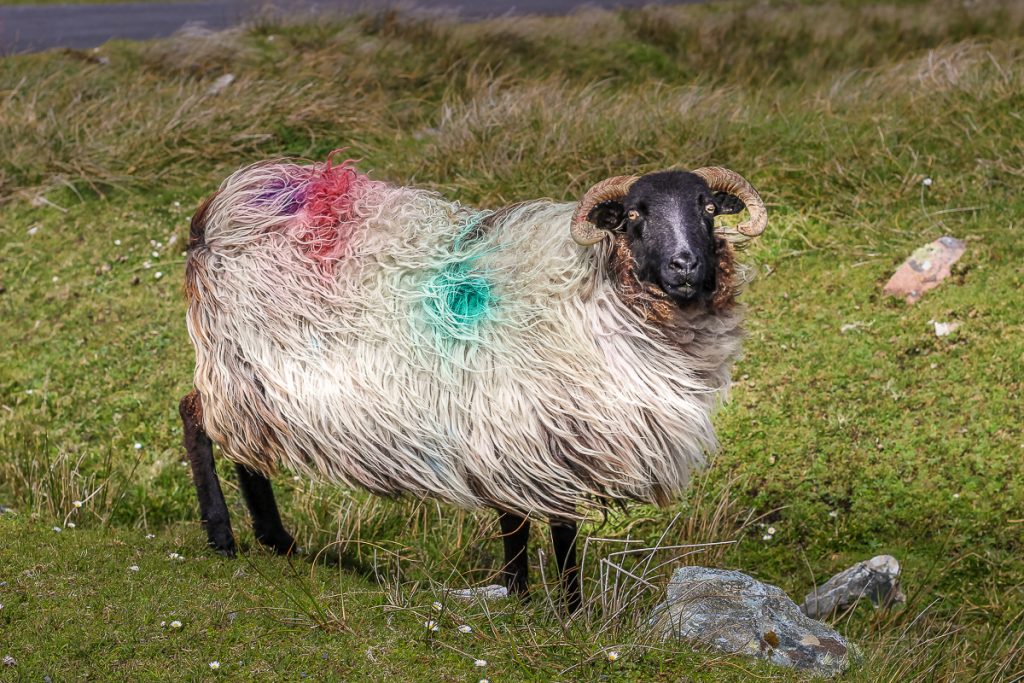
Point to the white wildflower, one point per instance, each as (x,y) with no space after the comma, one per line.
(147,264)
(33,230)
(833,514)
(70,525)
(138,446)
(927,182)
(175,556)
(158,275)
(215,665)
(163,624)
(57,529)
(766,537)
(155,254)
(55,279)
(465,628)
(612,656)
(771,531)
(480,662)
(150,536)
(76,503)
(437,607)
(175,624)
(431,625)
(133,568)
(956,495)
(117,243)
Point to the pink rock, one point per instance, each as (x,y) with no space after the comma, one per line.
(925,269)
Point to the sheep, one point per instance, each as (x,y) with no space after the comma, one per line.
(543,359)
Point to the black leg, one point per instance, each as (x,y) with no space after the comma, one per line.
(212,509)
(266,521)
(563,535)
(515,532)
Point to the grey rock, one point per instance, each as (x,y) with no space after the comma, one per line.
(736,614)
(877,579)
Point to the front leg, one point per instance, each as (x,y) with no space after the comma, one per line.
(515,532)
(563,535)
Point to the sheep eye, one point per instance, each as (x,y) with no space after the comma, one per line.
(710,208)
(633,214)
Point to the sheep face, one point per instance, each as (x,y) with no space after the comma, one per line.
(668,218)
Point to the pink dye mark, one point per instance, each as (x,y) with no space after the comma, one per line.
(325,224)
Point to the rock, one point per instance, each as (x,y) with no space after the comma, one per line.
(491,592)
(736,614)
(925,269)
(876,579)
(944,329)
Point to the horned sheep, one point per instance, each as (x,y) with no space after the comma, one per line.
(542,359)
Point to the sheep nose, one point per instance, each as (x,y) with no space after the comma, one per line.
(682,268)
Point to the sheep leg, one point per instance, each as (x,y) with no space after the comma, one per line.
(213,511)
(266,520)
(515,532)
(563,535)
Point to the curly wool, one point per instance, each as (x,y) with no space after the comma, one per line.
(409,344)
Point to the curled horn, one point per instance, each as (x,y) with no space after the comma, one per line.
(723,180)
(582,230)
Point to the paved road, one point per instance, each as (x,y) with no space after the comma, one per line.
(29,28)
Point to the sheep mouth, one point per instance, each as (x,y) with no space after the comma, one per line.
(683,292)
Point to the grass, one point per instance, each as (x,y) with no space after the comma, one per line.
(853,429)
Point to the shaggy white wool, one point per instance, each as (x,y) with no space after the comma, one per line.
(482,358)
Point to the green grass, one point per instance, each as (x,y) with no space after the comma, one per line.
(836,112)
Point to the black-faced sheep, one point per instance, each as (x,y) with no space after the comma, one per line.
(541,359)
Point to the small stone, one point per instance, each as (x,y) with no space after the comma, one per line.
(220,84)
(925,269)
(944,329)
(876,579)
(736,614)
(491,592)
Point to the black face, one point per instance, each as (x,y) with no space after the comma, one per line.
(669,219)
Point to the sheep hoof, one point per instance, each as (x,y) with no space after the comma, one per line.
(281,544)
(229,553)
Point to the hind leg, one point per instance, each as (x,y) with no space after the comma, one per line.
(563,535)
(266,520)
(213,511)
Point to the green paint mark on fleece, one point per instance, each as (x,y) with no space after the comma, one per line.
(456,298)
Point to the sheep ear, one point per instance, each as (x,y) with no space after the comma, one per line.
(607,215)
(728,203)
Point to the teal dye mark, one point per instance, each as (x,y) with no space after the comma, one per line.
(457,298)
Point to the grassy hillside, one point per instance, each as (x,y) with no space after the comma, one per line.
(853,430)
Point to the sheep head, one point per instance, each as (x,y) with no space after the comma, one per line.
(667,219)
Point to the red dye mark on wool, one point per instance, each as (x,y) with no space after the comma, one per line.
(325,224)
